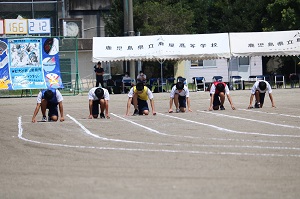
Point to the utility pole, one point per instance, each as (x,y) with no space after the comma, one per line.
(128,29)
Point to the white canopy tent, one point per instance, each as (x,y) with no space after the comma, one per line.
(279,43)
(161,47)
(196,47)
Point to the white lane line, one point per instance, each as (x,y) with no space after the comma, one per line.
(229,130)
(20,136)
(257,111)
(193,137)
(167,144)
(252,120)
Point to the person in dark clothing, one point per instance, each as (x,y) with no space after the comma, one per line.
(99,74)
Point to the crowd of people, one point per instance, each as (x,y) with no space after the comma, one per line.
(140,94)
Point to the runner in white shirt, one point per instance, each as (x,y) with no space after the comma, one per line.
(181,96)
(259,90)
(98,96)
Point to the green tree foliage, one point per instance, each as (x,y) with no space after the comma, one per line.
(282,15)
(154,18)
(114,21)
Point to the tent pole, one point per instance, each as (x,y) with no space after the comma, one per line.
(161,74)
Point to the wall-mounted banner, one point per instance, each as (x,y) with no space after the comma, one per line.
(29,63)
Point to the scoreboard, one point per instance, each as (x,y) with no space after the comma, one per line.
(25,26)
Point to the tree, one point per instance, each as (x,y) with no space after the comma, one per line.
(155,18)
(282,15)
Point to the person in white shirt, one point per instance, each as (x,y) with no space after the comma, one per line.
(181,96)
(259,90)
(49,99)
(98,96)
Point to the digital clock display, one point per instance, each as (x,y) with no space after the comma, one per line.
(39,26)
(15,26)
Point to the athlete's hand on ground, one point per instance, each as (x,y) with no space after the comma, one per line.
(190,110)
(250,106)
(233,108)
(170,111)
(90,117)
(210,108)
(107,117)
(33,120)
(62,119)
(154,113)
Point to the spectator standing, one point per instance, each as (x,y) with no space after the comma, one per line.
(99,74)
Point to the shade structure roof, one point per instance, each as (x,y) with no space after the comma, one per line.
(196,46)
(161,47)
(277,43)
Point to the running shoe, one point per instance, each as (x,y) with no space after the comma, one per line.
(44,119)
(102,115)
(222,107)
(136,112)
(177,110)
(257,105)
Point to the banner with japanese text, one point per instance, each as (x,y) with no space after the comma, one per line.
(29,63)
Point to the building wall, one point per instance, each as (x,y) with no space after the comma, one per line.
(221,69)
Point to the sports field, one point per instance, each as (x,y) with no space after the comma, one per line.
(238,154)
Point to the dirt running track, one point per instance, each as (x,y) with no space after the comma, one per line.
(202,154)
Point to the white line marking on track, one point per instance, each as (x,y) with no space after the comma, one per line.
(229,130)
(193,137)
(252,120)
(20,136)
(257,111)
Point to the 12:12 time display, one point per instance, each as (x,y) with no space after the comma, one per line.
(39,26)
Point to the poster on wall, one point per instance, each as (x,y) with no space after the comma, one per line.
(29,63)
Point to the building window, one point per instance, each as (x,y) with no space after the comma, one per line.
(196,63)
(244,61)
(204,63)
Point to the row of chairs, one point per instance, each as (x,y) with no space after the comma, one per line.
(200,84)
(277,82)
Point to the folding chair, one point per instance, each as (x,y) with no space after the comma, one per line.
(260,77)
(161,83)
(279,81)
(294,80)
(127,84)
(110,84)
(237,82)
(217,78)
(170,83)
(181,79)
(152,83)
(199,82)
